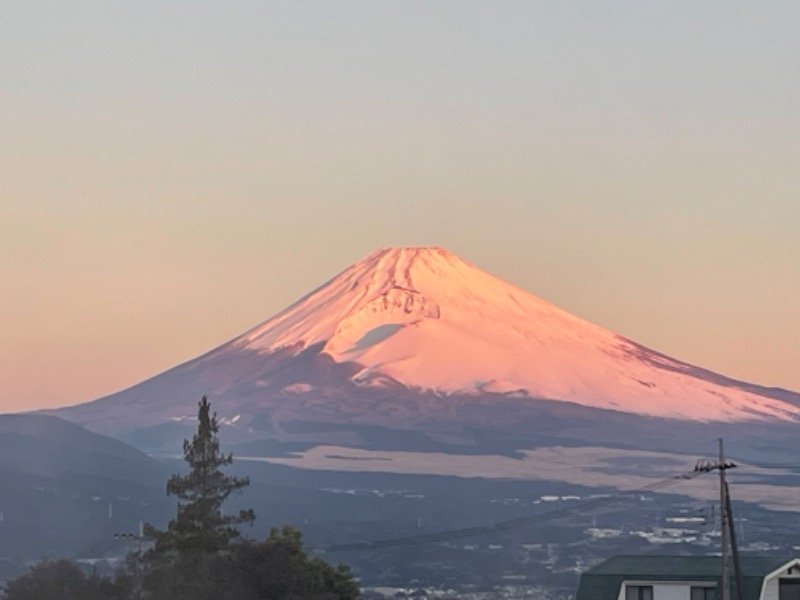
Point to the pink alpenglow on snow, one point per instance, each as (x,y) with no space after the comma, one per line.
(429,320)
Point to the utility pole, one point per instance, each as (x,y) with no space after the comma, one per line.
(737,565)
(723,521)
(141,538)
(724,513)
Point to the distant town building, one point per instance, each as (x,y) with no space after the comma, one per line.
(688,578)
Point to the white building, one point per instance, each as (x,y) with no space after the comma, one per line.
(688,578)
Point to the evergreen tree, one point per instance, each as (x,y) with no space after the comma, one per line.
(194,558)
(279,569)
(200,528)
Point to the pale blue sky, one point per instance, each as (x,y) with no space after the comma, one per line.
(173,173)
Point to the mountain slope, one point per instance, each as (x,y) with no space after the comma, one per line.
(425,318)
(422,325)
(64,489)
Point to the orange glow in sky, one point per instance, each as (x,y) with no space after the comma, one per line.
(173,175)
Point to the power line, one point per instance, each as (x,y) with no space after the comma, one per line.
(453,534)
(786,466)
(428,515)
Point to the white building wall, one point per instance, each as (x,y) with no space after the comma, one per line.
(671,591)
(771,588)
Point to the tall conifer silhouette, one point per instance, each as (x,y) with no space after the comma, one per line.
(200,527)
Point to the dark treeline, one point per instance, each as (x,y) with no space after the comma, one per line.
(201,555)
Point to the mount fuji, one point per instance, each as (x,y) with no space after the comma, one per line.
(415,394)
(419,339)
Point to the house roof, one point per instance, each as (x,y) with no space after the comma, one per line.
(603,581)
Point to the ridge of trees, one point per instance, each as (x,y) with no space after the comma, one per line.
(201,555)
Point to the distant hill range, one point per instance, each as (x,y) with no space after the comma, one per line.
(65,491)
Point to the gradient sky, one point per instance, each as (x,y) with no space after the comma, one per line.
(173,173)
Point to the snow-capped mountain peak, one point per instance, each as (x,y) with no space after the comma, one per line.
(426,319)
(411,337)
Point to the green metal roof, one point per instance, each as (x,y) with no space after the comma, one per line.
(603,581)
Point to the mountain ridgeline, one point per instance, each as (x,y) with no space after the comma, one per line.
(418,340)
